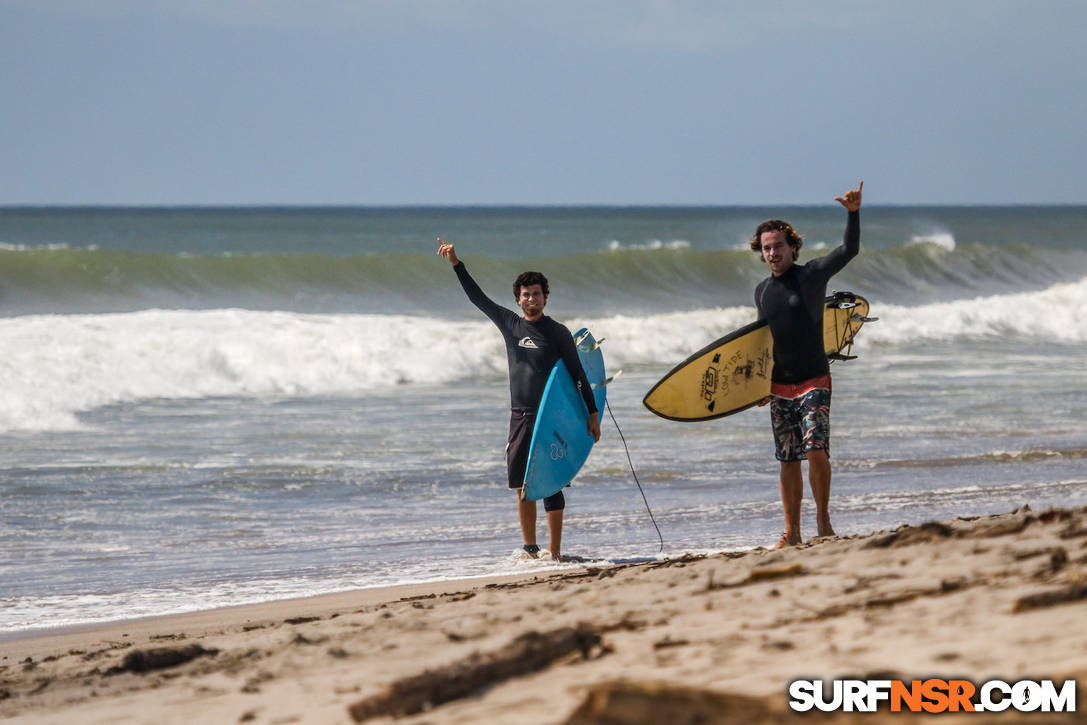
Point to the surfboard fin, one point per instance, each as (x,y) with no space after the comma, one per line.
(862,318)
(597,345)
(581,338)
(594,386)
(840,356)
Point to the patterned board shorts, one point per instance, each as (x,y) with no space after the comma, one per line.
(800,415)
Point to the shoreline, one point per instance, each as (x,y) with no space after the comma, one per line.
(381,591)
(1000,596)
(318,605)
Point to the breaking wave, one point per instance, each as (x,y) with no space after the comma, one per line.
(55,366)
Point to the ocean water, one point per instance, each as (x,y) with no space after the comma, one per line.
(202,407)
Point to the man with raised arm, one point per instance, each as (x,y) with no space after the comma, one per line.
(534,343)
(791,302)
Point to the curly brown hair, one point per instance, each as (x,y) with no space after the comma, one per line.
(776,225)
(527,279)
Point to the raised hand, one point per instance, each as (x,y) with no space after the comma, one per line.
(852,199)
(446,250)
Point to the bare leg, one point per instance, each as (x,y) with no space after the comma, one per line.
(792,491)
(527,512)
(554,528)
(819,478)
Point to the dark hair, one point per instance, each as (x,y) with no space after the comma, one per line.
(776,225)
(527,279)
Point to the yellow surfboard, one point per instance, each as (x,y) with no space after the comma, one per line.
(733,373)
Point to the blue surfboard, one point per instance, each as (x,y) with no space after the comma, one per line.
(561,441)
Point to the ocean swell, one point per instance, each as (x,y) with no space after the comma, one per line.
(646,279)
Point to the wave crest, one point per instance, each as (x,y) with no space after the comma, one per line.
(943,240)
(615,245)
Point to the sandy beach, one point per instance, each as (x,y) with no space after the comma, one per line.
(718,638)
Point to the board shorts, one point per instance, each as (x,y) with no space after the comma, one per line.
(800,415)
(522,423)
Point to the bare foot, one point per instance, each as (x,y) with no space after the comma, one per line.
(787,540)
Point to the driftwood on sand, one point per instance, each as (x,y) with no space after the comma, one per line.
(530,652)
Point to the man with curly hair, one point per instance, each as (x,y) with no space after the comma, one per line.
(791,302)
(534,343)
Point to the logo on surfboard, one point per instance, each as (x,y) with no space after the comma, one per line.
(558,450)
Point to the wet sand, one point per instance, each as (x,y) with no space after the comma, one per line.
(1002,597)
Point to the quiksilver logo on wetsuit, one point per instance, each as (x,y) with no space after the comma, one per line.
(529,343)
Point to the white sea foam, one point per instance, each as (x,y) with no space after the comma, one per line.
(942,239)
(615,245)
(1054,314)
(51,247)
(55,366)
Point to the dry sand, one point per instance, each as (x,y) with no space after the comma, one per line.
(718,638)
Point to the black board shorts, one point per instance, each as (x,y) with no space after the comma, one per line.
(522,423)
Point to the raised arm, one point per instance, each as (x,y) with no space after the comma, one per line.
(497,313)
(851,240)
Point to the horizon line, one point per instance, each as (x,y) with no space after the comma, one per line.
(517,205)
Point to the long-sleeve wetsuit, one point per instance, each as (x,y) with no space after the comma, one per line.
(792,306)
(532,349)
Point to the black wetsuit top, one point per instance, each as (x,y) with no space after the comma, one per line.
(532,349)
(792,305)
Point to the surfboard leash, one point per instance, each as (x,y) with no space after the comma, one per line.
(635,473)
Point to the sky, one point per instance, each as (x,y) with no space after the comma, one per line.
(340,102)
